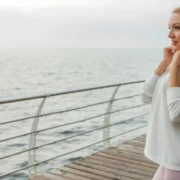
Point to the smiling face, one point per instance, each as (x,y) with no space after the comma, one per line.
(174,33)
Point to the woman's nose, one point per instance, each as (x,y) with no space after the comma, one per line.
(171,34)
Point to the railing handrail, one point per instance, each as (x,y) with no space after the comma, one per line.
(25,98)
(67,110)
(32,135)
(70,123)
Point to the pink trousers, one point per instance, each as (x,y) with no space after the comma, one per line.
(166,174)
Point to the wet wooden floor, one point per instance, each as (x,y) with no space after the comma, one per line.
(126,162)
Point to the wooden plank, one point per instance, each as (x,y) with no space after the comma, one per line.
(39,177)
(121,163)
(134,144)
(121,174)
(115,152)
(126,151)
(58,175)
(133,159)
(52,176)
(130,152)
(127,160)
(138,142)
(84,173)
(120,167)
(131,148)
(140,139)
(98,171)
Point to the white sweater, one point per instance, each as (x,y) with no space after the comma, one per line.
(163,132)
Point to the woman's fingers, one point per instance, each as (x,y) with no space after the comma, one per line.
(173,51)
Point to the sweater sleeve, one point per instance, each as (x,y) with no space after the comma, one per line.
(173,102)
(148,87)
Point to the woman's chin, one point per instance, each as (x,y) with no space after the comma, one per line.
(176,48)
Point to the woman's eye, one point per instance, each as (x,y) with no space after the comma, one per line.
(174,27)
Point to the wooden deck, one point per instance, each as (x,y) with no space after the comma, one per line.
(126,162)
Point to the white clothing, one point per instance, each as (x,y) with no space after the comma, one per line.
(163,132)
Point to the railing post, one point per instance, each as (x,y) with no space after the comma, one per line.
(32,142)
(107,120)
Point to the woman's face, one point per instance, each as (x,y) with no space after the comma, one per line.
(174,34)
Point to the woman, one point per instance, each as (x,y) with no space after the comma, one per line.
(162,90)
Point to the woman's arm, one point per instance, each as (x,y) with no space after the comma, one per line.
(148,86)
(174,78)
(162,67)
(150,83)
(173,92)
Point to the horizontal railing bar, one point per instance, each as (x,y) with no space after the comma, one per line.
(68,110)
(4,175)
(5,101)
(54,127)
(37,147)
(15,137)
(102,127)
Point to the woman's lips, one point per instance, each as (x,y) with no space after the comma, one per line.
(174,42)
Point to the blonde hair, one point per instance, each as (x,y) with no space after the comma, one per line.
(176,10)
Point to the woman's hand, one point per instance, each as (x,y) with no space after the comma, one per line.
(168,54)
(176,59)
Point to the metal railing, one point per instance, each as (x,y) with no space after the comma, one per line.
(32,163)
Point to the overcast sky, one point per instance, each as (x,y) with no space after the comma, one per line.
(85,23)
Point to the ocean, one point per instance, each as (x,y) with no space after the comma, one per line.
(29,72)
